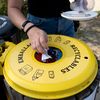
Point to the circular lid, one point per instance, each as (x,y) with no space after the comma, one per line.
(74,71)
(76,15)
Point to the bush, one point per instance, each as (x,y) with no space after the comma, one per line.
(3,7)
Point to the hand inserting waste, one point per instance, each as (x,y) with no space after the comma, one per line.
(45,56)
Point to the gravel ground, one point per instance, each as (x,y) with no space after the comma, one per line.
(89,32)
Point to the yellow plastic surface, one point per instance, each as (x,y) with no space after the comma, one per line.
(8,47)
(1,70)
(71,74)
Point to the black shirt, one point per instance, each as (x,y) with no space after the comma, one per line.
(48,8)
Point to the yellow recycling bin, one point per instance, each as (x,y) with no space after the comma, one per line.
(5,47)
(72,68)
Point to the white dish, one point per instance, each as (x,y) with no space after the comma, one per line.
(76,15)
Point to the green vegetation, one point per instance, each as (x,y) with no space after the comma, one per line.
(3,7)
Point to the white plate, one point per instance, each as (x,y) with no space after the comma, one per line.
(75,15)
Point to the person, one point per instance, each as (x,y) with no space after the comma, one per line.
(43,18)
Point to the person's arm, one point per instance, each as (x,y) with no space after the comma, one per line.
(37,37)
(14,12)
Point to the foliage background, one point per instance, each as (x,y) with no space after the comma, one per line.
(3,7)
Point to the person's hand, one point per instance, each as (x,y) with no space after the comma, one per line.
(88,4)
(38,39)
(82,5)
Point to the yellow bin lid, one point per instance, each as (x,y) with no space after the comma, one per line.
(73,72)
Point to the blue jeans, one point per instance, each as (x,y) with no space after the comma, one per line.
(55,25)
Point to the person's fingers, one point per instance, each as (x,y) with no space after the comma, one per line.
(33,44)
(38,39)
(43,41)
(36,45)
(39,47)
